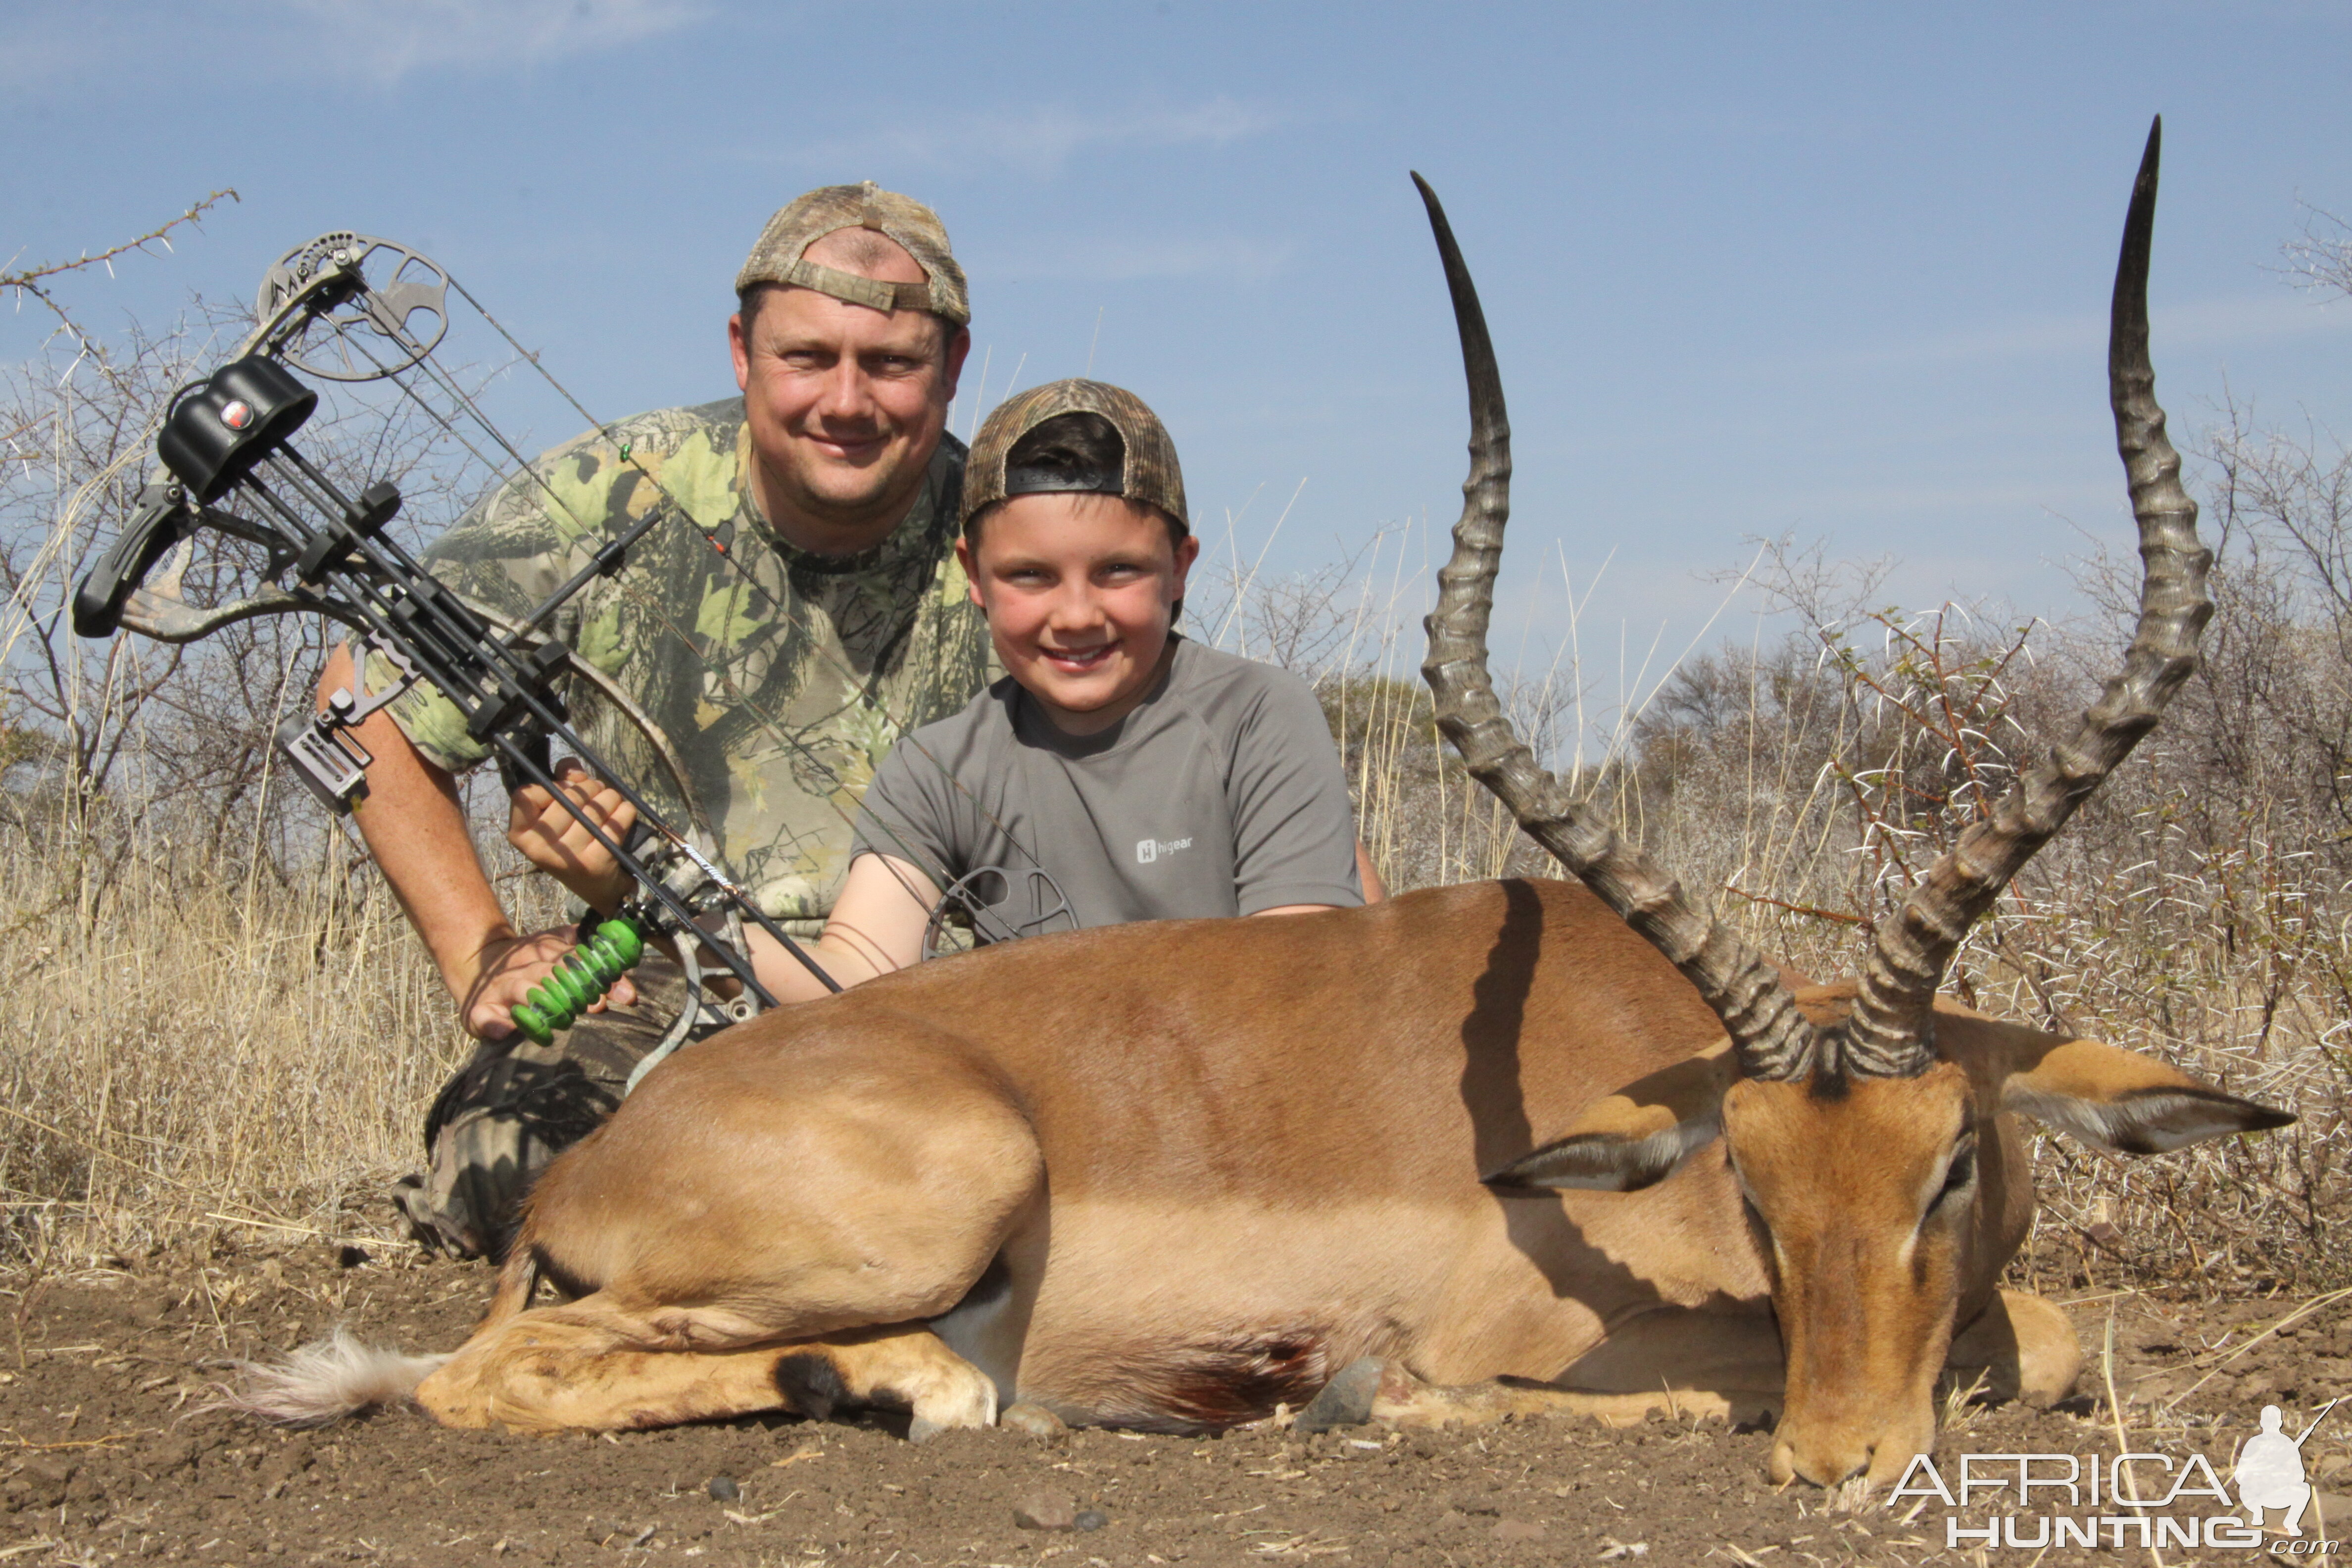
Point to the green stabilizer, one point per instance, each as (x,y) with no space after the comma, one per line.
(579,978)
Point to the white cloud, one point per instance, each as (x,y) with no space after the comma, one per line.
(381,41)
(1044,139)
(387,41)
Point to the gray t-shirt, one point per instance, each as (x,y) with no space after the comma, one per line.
(1221,794)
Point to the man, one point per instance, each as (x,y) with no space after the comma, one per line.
(778,672)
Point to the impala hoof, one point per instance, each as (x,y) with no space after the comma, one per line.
(959,1398)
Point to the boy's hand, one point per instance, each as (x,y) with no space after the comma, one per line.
(551,839)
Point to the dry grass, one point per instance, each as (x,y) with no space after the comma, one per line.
(190,1053)
(189,1050)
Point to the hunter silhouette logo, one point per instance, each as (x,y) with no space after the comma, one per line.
(2270,1470)
(2144,1499)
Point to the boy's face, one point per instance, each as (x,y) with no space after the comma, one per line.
(1079,592)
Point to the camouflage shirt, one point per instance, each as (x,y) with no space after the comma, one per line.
(779,699)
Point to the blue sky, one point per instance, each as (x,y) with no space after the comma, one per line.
(1840,270)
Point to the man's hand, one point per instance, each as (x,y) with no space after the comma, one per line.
(551,839)
(507,968)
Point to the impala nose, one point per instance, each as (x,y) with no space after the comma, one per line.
(1828,1456)
(1824,1463)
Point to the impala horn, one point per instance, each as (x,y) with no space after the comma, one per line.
(1772,1039)
(1887,1033)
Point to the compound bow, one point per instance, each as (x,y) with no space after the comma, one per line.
(226,447)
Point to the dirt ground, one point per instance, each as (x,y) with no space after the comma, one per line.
(107,1454)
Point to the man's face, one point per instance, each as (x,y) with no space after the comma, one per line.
(845,405)
(1080,591)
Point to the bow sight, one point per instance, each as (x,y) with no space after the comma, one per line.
(226,445)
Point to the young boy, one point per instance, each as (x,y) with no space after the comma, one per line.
(1149,776)
(1146,776)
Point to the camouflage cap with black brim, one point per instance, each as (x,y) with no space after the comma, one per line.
(1149,473)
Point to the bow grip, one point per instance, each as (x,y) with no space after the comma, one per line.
(154,529)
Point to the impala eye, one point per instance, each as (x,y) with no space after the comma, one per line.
(1961,1174)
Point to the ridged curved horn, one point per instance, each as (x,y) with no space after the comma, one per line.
(1887,1033)
(1772,1039)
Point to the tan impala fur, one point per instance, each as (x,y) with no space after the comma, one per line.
(1173,1176)
(1220,1160)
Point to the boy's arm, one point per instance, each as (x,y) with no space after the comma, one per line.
(1374,889)
(1294,830)
(876,927)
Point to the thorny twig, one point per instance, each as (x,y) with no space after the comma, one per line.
(29,279)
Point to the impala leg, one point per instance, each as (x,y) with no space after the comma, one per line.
(1682,1361)
(2024,1347)
(758,1228)
(1406,1400)
(589,1365)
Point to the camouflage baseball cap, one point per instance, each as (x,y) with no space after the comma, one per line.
(1147,471)
(916,229)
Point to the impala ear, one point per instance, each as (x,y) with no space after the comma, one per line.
(1634,1138)
(2125,1101)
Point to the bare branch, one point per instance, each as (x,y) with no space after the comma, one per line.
(2322,258)
(30,278)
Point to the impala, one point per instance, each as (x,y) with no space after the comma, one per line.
(1576,1137)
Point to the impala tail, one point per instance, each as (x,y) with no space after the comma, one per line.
(337,1376)
(326,1381)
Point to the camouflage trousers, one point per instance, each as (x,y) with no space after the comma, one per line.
(517,1105)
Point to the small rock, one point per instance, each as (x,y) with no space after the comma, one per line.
(1032,1420)
(1045,1511)
(722,1489)
(1518,1529)
(1090,1519)
(1345,1400)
